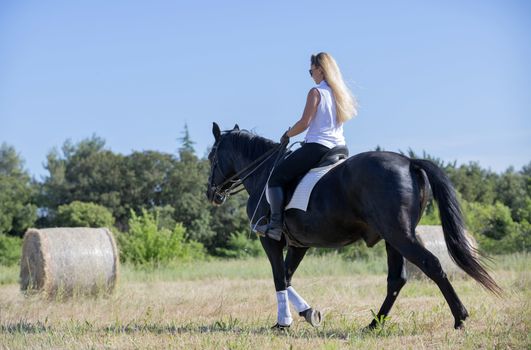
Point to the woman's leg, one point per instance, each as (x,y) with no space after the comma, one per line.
(297,164)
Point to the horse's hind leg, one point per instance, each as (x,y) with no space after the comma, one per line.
(293,259)
(412,250)
(396,279)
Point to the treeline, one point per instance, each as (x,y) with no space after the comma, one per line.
(156,202)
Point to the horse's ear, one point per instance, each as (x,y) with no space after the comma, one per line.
(236,127)
(216,131)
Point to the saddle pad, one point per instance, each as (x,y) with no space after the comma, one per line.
(302,193)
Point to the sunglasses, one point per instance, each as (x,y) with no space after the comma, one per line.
(311,72)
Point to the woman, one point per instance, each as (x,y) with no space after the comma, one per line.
(328,106)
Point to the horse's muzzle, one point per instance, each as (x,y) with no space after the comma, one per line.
(218,199)
(215,197)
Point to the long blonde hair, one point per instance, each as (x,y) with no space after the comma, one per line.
(346,105)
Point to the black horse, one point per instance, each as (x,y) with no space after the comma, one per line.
(370,196)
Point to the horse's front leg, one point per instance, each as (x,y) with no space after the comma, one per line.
(274,251)
(293,259)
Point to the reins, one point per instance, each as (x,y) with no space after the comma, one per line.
(237,179)
(253,227)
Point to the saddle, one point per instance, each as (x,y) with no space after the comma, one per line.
(333,156)
(327,162)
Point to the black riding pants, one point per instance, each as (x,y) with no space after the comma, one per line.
(297,164)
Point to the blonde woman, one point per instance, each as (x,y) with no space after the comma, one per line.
(328,106)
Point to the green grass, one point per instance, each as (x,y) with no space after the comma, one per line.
(230,304)
(312,266)
(252,268)
(9,274)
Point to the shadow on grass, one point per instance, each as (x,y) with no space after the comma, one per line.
(25,327)
(236,328)
(231,326)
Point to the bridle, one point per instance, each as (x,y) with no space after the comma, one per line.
(234,184)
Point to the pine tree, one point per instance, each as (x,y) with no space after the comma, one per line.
(186,150)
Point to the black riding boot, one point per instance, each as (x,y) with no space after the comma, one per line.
(276,202)
(276,223)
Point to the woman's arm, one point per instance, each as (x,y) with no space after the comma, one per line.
(312,101)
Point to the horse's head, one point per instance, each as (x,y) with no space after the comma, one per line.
(221,167)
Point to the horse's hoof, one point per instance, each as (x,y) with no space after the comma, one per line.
(460,324)
(371,327)
(280,327)
(312,316)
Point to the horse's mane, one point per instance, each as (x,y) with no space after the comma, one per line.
(249,143)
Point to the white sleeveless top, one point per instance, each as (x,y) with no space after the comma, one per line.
(324,128)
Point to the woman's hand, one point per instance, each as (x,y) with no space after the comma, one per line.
(284,140)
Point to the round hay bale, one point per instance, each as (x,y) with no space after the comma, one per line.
(432,238)
(67,261)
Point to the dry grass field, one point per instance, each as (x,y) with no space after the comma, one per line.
(231,305)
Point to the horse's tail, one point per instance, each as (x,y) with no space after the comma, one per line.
(460,249)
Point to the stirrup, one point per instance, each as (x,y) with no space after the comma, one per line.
(274,233)
(260,230)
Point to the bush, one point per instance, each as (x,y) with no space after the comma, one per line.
(81,214)
(240,245)
(10,250)
(164,216)
(493,227)
(431,214)
(146,243)
(359,251)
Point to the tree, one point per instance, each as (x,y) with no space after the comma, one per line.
(17,193)
(79,214)
(474,183)
(186,188)
(84,172)
(513,190)
(87,172)
(186,150)
(145,180)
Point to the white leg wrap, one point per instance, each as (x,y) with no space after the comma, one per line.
(296,300)
(284,315)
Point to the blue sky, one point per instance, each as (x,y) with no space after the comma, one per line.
(452,78)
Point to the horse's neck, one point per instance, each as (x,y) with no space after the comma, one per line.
(244,157)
